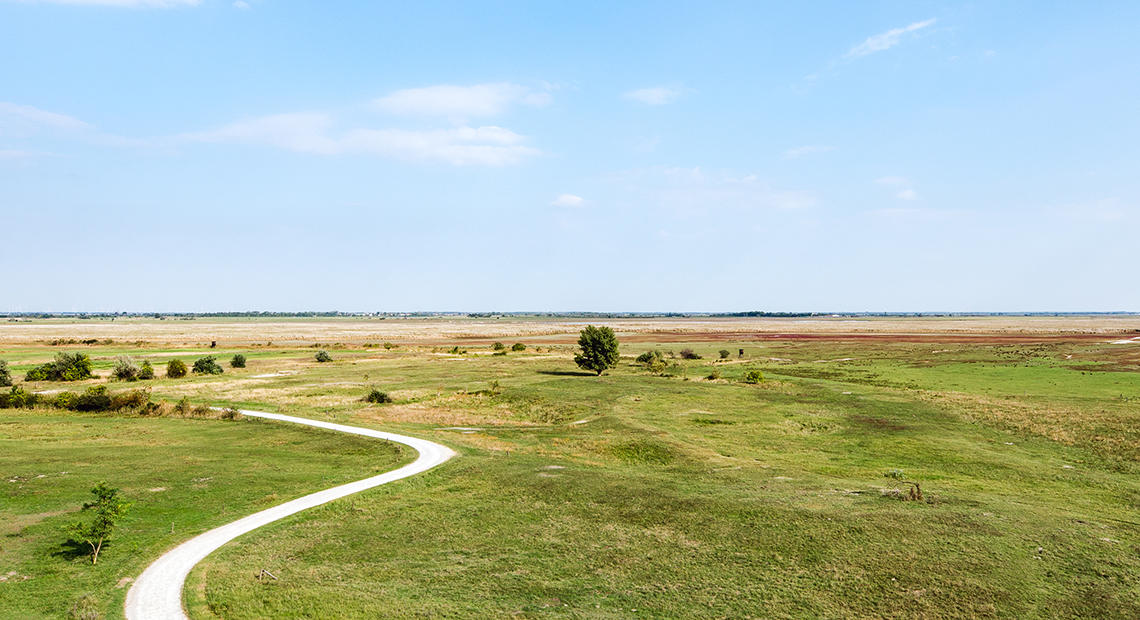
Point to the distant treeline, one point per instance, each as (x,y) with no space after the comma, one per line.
(13,316)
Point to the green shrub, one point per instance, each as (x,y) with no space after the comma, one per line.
(498,346)
(323,356)
(724,353)
(130,399)
(238,361)
(518,346)
(389,346)
(18,398)
(94,399)
(503,352)
(125,369)
(753,376)
(175,369)
(377,396)
(5,374)
(207,366)
(715,374)
(183,407)
(146,371)
(649,356)
(231,413)
(689,354)
(66,367)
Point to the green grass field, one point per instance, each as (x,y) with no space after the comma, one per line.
(584,497)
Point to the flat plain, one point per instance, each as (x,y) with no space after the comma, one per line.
(684,494)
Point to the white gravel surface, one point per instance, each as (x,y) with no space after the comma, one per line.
(157,594)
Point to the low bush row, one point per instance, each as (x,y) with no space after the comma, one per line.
(98,399)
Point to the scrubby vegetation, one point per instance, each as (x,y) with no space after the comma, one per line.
(237,361)
(66,367)
(175,369)
(93,399)
(518,346)
(207,366)
(654,361)
(689,354)
(5,374)
(753,376)
(323,356)
(125,369)
(146,371)
(375,395)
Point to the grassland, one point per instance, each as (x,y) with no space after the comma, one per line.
(677,495)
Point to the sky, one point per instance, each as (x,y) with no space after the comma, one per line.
(211,155)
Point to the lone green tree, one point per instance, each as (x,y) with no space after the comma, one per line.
(109,509)
(599,349)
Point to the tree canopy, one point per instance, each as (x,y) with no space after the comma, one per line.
(599,349)
(109,508)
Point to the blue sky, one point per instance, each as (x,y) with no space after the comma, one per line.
(642,156)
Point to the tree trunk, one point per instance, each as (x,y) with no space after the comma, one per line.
(97,548)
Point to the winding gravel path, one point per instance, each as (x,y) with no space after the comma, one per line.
(157,595)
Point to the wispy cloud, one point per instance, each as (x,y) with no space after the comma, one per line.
(302,132)
(907,194)
(160,4)
(885,40)
(28,118)
(568,200)
(459,102)
(238,4)
(25,121)
(658,95)
(312,132)
(806,150)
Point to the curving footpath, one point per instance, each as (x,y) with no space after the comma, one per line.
(157,595)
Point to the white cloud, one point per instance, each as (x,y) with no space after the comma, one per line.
(907,194)
(311,132)
(27,117)
(806,150)
(568,200)
(25,120)
(891,181)
(885,40)
(459,102)
(15,154)
(658,95)
(240,5)
(161,4)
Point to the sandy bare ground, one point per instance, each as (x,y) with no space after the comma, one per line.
(537,331)
(157,594)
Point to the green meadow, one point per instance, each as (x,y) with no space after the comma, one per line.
(689,494)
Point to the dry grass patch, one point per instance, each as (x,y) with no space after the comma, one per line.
(427,413)
(1106,430)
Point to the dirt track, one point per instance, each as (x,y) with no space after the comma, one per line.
(157,595)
